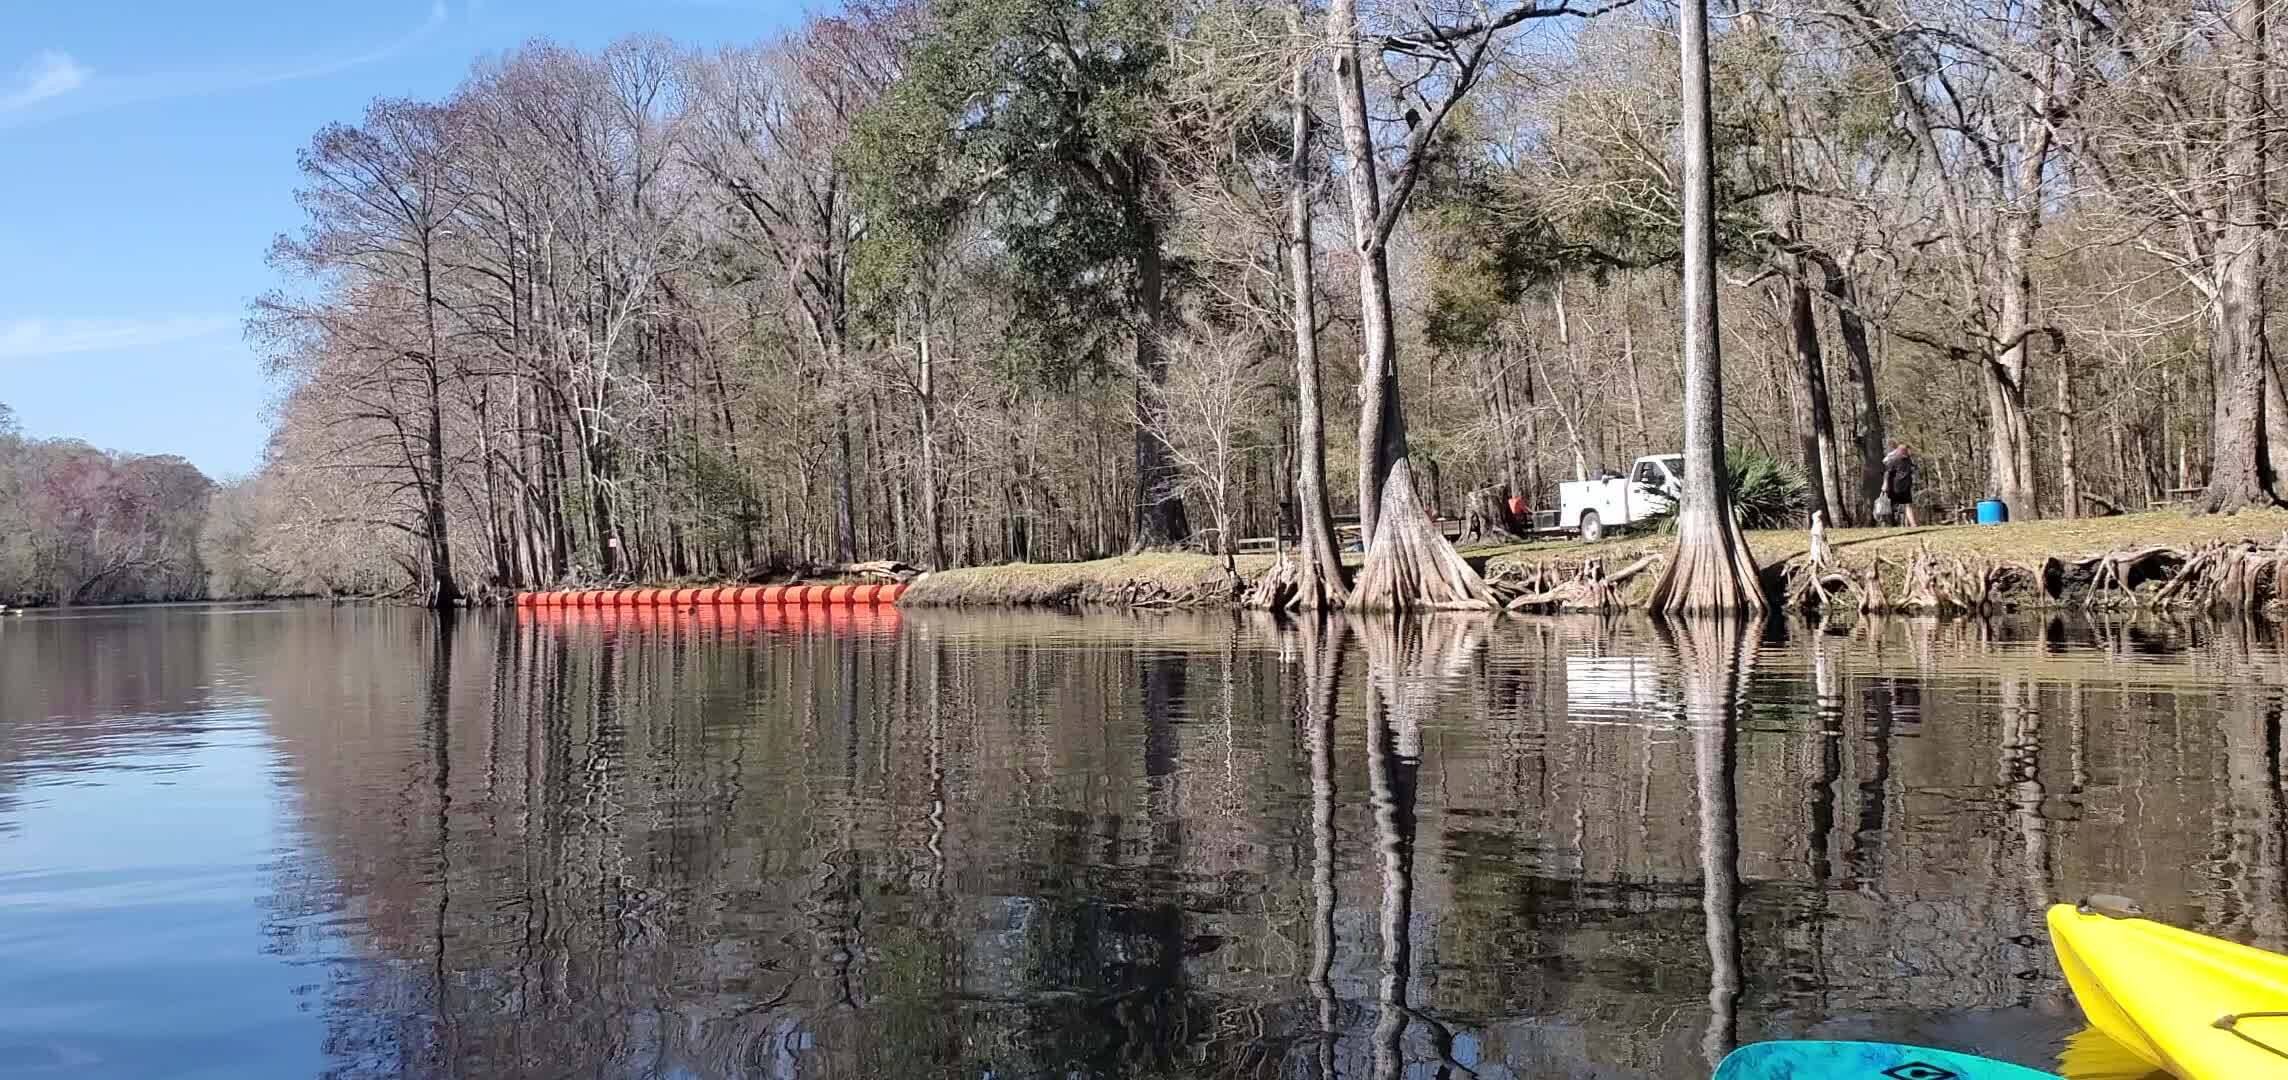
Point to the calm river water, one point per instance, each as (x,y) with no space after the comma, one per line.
(243,842)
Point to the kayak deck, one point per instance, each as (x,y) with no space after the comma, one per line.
(2200,1007)
(1863,1061)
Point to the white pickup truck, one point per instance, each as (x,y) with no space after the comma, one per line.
(1590,507)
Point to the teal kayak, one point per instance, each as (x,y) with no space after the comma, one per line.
(1864,1061)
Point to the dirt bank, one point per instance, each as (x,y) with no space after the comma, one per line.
(1167,579)
(1151,579)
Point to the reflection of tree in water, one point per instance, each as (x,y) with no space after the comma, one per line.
(691,851)
(1322,675)
(1712,661)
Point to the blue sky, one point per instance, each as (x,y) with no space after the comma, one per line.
(147,159)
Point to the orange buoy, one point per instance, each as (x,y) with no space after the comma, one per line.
(859,595)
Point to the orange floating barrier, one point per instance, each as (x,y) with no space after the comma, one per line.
(832,596)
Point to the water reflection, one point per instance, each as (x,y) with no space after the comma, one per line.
(814,843)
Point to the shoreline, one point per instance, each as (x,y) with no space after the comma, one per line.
(2015,555)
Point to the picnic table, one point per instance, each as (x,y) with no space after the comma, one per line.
(2177,496)
(1346,536)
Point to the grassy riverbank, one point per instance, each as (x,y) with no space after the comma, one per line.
(1180,579)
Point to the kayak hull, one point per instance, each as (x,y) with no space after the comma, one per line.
(2161,992)
(1863,1061)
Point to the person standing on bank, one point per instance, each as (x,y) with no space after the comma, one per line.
(1899,483)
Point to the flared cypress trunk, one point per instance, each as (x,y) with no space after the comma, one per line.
(1711,570)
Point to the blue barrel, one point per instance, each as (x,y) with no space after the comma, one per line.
(1993,511)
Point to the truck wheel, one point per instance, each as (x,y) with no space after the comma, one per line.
(1592,527)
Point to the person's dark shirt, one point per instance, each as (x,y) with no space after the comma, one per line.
(1899,478)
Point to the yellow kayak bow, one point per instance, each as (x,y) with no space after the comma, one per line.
(2200,1007)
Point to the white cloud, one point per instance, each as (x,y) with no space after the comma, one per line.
(49,74)
(55,73)
(26,338)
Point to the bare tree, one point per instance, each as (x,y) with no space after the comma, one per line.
(1211,398)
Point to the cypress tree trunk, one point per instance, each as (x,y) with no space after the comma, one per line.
(1711,570)
(1382,429)
(2236,346)
(926,383)
(1822,465)
(444,591)
(1866,409)
(1409,563)
(2069,472)
(2010,445)
(1160,518)
(1319,581)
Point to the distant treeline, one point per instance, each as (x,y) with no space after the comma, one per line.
(79,525)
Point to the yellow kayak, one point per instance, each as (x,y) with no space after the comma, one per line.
(2200,1007)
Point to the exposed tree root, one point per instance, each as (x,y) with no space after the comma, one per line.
(1294,584)
(2236,576)
(1410,566)
(1591,589)
(1276,588)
